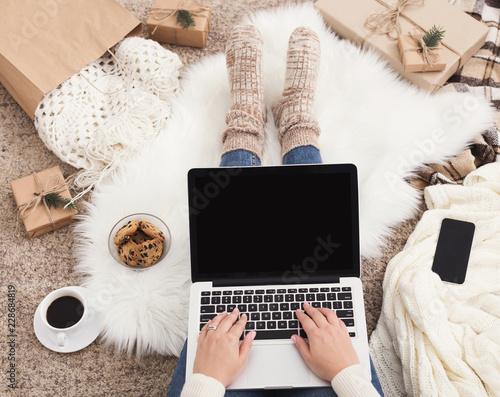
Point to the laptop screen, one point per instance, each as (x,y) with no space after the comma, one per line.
(285,224)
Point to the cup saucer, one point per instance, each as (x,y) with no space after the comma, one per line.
(89,332)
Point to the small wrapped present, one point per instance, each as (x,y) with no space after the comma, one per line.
(179,22)
(418,56)
(30,195)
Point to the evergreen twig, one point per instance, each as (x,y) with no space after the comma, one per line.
(55,200)
(433,36)
(185,19)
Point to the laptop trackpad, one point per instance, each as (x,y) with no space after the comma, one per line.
(277,365)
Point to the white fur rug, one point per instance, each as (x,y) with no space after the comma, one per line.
(368,116)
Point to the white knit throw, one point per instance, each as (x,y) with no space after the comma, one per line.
(105,113)
(435,338)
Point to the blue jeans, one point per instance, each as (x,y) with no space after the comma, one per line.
(179,377)
(244,158)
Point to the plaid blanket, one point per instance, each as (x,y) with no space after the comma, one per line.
(480,76)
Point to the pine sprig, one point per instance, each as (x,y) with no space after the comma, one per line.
(185,19)
(55,200)
(433,36)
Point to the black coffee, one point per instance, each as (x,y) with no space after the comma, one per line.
(64,312)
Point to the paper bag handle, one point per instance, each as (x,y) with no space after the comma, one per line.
(118,90)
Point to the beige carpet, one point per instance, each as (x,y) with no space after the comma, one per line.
(36,267)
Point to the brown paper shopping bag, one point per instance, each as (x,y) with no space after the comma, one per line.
(44,42)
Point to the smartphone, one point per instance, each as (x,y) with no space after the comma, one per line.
(453,250)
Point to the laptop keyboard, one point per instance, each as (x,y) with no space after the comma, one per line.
(271,312)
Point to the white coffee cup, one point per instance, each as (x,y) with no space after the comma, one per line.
(62,335)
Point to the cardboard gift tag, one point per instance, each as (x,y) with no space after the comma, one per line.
(44,42)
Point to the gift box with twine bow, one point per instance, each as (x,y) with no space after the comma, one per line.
(30,192)
(417,55)
(167,22)
(378,23)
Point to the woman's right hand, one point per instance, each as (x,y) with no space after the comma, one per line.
(330,349)
(219,353)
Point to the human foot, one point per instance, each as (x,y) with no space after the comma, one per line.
(297,125)
(245,119)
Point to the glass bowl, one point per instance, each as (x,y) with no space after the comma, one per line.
(113,248)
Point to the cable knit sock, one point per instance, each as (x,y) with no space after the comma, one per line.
(245,119)
(293,114)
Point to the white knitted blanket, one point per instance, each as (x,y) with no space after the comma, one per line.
(107,112)
(441,339)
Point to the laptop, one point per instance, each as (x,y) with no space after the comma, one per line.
(267,239)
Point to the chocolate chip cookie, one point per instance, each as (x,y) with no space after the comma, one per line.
(151,230)
(125,232)
(149,252)
(128,253)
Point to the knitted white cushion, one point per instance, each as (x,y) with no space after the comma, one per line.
(109,110)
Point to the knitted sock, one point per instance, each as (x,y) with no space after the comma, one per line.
(245,119)
(293,114)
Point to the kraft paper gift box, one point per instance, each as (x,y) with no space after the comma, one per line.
(464,35)
(413,60)
(164,28)
(42,219)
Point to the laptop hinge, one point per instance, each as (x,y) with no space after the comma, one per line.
(274,281)
(238,281)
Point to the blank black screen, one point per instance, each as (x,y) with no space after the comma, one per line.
(264,222)
(453,250)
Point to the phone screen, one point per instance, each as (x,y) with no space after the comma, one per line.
(453,250)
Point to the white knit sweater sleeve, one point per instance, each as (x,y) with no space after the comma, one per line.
(199,385)
(350,382)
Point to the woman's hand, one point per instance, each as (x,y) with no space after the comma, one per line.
(218,353)
(330,349)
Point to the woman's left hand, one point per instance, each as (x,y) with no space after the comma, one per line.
(219,354)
